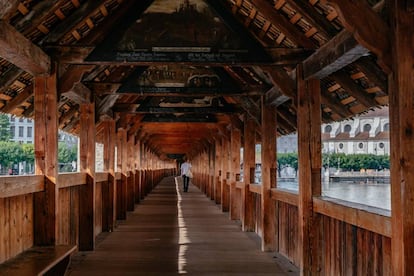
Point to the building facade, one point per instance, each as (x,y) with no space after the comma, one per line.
(364,134)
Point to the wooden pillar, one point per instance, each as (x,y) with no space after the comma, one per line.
(131,177)
(138,170)
(310,165)
(249,160)
(108,190)
(87,165)
(268,153)
(218,171)
(46,161)
(212,171)
(224,174)
(401,88)
(235,174)
(121,187)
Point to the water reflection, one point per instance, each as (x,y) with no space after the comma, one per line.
(371,194)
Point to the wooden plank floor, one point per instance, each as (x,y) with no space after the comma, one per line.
(172,233)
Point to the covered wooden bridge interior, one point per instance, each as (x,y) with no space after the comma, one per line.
(154,81)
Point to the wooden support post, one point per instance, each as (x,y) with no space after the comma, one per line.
(121,187)
(138,171)
(87,165)
(235,174)
(268,153)
(108,190)
(310,165)
(224,174)
(218,171)
(131,177)
(401,139)
(212,171)
(46,161)
(249,151)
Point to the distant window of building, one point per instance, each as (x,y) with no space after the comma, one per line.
(367,128)
(29,132)
(12,119)
(387,127)
(381,145)
(347,128)
(21,131)
(29,120)
(328,129)
(361,145)
(12,131)
(341,145)
(21,120)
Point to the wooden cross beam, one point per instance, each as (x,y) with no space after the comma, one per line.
(334,55)
(20,51)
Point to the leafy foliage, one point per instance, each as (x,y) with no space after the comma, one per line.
(4,128)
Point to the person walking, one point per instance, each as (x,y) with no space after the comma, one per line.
(186,174)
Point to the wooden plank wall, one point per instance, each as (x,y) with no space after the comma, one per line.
(16,225)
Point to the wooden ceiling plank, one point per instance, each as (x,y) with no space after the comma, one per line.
(353,89)
(335,104)
(20,51)
(283,24)
(373,73)
(22,97)
(334,55)
(317,20)
(72,21)
(9,77)
(367,26)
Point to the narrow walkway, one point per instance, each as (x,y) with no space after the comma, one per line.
(172,233)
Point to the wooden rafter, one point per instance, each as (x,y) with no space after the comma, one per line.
(339,52)
(20,51)
(353,89)
(368,28)
(22,97)
(283,24)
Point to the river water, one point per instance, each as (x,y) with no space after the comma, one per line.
(370,194)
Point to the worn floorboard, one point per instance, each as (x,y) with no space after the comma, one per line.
(172,233)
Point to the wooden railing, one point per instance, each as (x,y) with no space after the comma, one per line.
(17,205)
(355,239)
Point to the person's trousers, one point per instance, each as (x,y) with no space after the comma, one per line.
(186,181)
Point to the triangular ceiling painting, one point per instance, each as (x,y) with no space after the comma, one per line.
(179,31)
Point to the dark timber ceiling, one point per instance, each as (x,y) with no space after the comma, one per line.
(178,74)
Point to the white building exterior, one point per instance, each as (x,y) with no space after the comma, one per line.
(364,134)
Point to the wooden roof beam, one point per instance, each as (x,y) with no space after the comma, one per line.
(22,97)
(316,19)
(335,104)
(7,8)
(9,77)
(20,51)
(356,91)
(334,55)
(283,24)
(367,26)
(282,80)
(72,21)
(79,94)
(373,72)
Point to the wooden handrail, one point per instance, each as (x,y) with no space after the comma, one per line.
(101,176)
(255,188)
(286,196)
(366,217)
(20,185)
(66,180)
(240,185)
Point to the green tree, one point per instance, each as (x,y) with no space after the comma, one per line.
(287,160)
(4,128)
(10,153)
